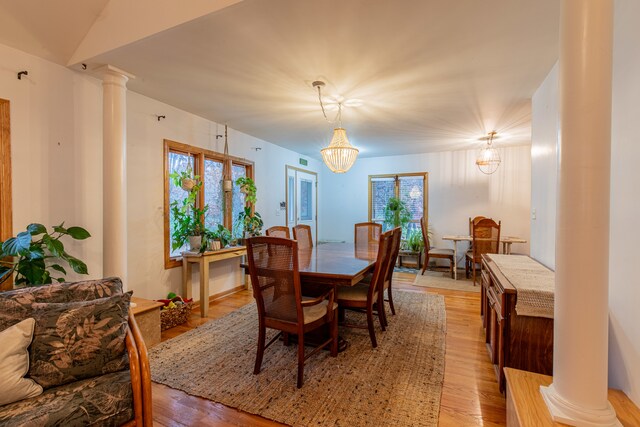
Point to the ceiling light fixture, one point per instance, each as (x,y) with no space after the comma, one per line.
(339,156)
(489,159)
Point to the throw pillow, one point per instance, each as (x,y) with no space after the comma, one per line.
(78,340)
(14,363)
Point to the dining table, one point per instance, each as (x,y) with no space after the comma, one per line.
(506,246)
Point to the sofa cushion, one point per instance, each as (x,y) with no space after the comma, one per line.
(78,340)
(66,292)
(14,363)
(106,400)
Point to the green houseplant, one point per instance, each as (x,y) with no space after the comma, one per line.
(396,214)
(35,255)
(248,221)
(186,218)
(415,242)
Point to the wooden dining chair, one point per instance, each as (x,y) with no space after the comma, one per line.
(394,249)
(435,253)
(486,240)
(302,233)
(469,254)
(278,231)
(363,296)
(366,233)
(275,279)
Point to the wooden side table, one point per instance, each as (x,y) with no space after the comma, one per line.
(147,314)
(203,260)
(404,253)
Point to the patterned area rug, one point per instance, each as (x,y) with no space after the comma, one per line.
(436,279)
(399,383)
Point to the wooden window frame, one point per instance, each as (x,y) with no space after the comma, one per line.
(425,177)
(6,208)
(199,154)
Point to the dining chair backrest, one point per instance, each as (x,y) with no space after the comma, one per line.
(486,237)
(382,265)
(394,249)
(278,231)
(474,221)
(275,278)
(367,233)
(425,234)
(302,233)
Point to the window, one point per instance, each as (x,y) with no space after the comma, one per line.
(411,188)
(210,166)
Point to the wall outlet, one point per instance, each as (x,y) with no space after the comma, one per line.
(533,214)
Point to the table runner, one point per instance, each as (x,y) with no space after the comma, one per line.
(534,283)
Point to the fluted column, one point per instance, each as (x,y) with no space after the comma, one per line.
(114,134)
(578,394)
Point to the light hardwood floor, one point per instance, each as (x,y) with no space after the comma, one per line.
(470,395)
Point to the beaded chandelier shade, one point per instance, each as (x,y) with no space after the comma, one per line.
(489,159)
(340,155)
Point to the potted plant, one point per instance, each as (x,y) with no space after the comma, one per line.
(396,214)
(248,221)
(415,242)
(186,218)
(35,255)
(219,238)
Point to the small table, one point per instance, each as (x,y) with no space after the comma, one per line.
(506,246)
(147,314)
(404,253)
(203,260)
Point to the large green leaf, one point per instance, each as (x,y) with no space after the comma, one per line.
(18,245)
(77,265)
(59,268)
(55,246)
(35,252)
(35,229)
(60,229)
(34,271)
(78,233)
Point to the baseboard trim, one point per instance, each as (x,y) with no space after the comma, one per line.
(196,304)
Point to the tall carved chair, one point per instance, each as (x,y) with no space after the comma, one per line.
(435,253)
(302,233)
(366,234)
(469,254)
(486,240)
(394,249)
(278,231)
(275,279)
(363,296)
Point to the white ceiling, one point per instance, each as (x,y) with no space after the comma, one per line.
(432,75)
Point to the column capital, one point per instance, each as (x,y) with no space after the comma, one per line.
(113,75)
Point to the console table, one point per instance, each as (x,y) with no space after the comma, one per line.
(203,260)
(513,341)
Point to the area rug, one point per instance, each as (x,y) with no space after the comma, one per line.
(399,383)
(436,279)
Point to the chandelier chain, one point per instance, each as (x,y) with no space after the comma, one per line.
(338,118)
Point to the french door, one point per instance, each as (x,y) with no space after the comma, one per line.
(302,195)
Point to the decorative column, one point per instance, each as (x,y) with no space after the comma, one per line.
(114,140)
(578,394)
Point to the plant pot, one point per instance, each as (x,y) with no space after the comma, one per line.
(244,189)
(227,185)
(195,243)
(188,184)
(215,245)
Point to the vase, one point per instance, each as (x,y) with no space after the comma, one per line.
(195,243)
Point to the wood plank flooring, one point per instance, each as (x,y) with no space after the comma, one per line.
(470,395)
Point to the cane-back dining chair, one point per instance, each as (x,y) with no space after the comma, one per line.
(469,255)
(435,253)
(486,240)
(278,231)
(363,296)
(302,233)
(275,279)
(366,234)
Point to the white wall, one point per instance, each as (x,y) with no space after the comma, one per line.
(145,134)
(544,169)
(56,149)
(624,285)
(457,191)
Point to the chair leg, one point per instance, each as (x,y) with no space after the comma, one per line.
(285,339)
(334,336)
(381,316)
(390,294)
(452,266)
(466,268)
(424,266)
(261,336)
(372,332)
(474,272)
(300,360)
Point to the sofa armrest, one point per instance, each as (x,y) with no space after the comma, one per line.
(145,372)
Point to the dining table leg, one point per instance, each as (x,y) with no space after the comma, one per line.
(455,260)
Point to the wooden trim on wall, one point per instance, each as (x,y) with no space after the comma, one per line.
(6,209)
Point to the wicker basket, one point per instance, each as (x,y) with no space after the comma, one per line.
(175,316)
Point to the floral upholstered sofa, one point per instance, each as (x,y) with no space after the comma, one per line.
(86,363)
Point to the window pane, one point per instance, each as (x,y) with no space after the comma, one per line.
(382,189)
(306,200)
(291,202)
(178,162)
(412,193)
(237,201)
(213,195)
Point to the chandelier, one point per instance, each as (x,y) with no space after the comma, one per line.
(489,159)
(340,155)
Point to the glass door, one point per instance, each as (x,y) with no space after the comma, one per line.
(302,199)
